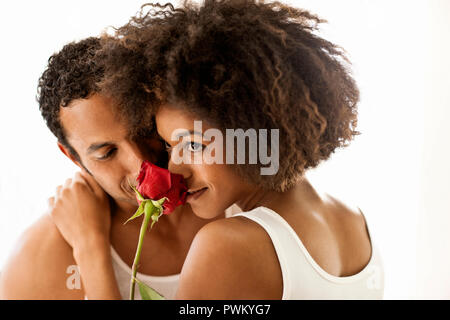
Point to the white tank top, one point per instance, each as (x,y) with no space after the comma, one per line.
(303,278)
(166,285)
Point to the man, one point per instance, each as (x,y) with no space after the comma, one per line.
(92,134)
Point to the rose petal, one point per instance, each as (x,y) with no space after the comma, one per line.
(155,183)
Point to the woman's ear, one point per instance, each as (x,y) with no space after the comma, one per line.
(69,155)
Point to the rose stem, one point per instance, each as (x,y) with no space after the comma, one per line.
(148,211)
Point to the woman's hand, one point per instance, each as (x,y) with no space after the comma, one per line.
(81,211)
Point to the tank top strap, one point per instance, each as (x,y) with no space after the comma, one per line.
(302,276)
(282,239)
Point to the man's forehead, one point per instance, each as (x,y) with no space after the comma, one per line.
(92,121)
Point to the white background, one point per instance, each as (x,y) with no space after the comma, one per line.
(396,171)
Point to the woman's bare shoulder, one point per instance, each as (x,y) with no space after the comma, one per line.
(225,262)
(350,232)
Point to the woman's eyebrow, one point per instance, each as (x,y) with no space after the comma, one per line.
(96,146)
(187,132)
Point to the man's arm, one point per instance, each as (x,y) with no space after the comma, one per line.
(41,266)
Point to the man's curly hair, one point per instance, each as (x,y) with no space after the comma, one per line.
(242,64)
(74,73)
(71,74)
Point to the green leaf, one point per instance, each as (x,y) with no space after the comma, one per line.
(156,215)
(139,195)
(160,202)
(148,293)
(138,212)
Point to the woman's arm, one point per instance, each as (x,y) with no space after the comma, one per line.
(223,264)
(81,212)
(96,270)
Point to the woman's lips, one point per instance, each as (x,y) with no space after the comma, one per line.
(195,195)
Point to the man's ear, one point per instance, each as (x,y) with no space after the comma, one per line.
(69,155)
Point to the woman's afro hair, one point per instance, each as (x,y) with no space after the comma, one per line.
(239,64)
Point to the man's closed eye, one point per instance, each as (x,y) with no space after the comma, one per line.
(108,155)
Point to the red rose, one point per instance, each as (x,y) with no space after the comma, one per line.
(156,183)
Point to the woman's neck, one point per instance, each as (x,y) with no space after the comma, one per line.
(301,195)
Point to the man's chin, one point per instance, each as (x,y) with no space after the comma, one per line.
(127,201)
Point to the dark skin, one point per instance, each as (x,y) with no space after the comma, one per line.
(112,158)
(333,234)
(230,258)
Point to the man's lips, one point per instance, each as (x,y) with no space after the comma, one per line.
(128,190)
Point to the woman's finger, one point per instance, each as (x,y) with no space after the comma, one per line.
(68,183)
(58,194)
(95,187)
(51,201)
(78,178)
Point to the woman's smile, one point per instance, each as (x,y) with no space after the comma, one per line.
(193,196)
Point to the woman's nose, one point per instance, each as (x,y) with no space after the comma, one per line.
(179,169)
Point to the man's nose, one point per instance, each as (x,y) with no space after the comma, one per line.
(134,159)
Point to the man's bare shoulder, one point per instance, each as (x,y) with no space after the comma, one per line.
(41,266)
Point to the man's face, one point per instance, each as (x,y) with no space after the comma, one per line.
(104,146)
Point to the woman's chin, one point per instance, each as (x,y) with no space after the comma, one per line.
(207,213)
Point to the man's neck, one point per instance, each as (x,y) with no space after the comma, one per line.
(122,210)
(171,224)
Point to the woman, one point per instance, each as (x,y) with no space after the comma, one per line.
(242,64)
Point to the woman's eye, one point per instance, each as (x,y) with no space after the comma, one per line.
(194,146)
(108,155)
(166,145)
